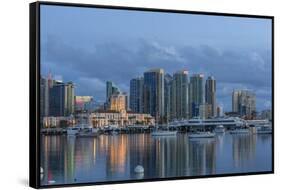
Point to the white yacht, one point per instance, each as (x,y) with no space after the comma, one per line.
(114,132)
(201,135)
(240,131)
(71,131)
(266,129)
(163,133)
(219,129)
(88,132)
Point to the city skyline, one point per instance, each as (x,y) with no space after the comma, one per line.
(90,58)
(163,96)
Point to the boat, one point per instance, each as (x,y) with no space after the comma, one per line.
(266,129)
(114,132)
(201,135)
(163,133)
(240,131)
(71,131)
(88,132)
(219,129)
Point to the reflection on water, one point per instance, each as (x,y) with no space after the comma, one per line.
(114,157)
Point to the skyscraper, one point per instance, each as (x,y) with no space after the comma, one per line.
(210,94)
(167,96)
(179,95)
(117,102)
(45,85)
(69,99)
(57,99)
(196,94)
(154,93)
(244,103)
(61,99)
(247,103)
(136,95)
(110,89)
(44,97)
(235,100)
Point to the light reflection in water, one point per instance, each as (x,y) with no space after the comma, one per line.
(114,157)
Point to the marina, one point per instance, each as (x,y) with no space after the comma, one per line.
(213,126)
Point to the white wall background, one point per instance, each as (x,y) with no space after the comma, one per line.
(14,73)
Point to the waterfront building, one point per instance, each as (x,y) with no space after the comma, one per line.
(117,102)
(83,103)
(196,94)
(61,121)
(121,119)
(61,99)
(136,95)
(154,93)
(179,95)
(244,102)
(210,94)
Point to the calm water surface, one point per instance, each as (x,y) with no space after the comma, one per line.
(114,157)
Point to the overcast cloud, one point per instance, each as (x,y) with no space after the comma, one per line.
(90,63)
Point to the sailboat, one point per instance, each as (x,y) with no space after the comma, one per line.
(200,134)
(87,130)
(161,132)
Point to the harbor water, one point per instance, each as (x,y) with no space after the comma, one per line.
(70,159)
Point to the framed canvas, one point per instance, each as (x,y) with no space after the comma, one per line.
(126,94)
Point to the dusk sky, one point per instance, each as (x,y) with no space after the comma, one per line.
(90,46)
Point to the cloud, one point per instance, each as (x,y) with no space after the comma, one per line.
(120,62)
(91,86)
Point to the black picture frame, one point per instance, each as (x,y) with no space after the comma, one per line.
(34,93)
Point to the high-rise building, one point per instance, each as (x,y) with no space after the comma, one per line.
(44,97)
(219,111)
(210,94)
(196,94)
(179,95)
(244,103)
(126,100)
(167,96)
(45,85)
(154,93)
(235,100)
(136,95)
(61,99)
(247,103)
(57,99)
(117,102)
(69,99)
(205,110)
(110,89)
